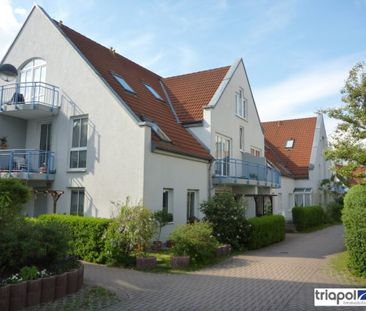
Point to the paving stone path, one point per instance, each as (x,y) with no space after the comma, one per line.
(279,277)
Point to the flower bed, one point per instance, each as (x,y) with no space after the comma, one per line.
(30,293)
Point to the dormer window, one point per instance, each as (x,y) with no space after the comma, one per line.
(152,91)
(122,82)
(290,143)
(160,133)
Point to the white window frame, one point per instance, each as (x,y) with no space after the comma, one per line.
(290,143)
(78,191)
(241,138)
(79,148)
(195,203)
(303,194)
(241,104)
(170,207)
(255,152)
(223,152)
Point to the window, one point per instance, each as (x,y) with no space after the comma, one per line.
(158,131)
(168,201)
(302,196)
(290,143)
(33,72)
(192,202)
(79,142)
(152,91)
(240,102)
(241,138)
(255,152)
(223,153)
(77,202)
(123,83)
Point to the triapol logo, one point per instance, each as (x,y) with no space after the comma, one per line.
(340,297)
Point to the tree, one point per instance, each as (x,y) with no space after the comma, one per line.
(348,149)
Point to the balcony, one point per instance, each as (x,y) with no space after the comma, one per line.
(238,172)
(27,164)
(29,100)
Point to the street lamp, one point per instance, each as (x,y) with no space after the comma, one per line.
(8,72)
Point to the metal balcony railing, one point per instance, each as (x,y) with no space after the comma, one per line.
(25,162)
(239,169)
(29,93)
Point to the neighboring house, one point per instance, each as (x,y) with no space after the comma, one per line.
(297,148)
(86,126)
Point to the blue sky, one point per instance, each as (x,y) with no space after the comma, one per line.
(297,53)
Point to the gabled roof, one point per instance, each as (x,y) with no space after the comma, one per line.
(142,103)
(190,93)
(292,162)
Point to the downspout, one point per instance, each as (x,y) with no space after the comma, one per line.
(209,183)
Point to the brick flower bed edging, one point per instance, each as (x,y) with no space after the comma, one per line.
(223,250)
(145,262)
(30,293)
(179,261)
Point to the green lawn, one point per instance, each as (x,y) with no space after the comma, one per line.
(339,264)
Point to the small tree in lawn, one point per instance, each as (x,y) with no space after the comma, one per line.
(348,148)
(162,218)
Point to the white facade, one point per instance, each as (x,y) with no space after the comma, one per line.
(120,162)
(319,169)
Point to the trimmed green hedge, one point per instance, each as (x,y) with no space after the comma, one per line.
(354,220)
(86,234)
(305,217)
(266,230)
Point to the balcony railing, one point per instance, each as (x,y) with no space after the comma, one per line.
(235,169)
(29,93)
(27,164)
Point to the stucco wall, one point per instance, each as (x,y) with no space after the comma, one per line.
(115,142)
(14,129)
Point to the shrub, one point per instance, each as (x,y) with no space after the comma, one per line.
(266,230)
(195,240)
(354,220)
(86,234)
(131,231)
(29,273)
(227,217)
(333,212)
(32,243)
(13,193)
(307,217)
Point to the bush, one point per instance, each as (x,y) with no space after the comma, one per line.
(195,240)
(333,212)
(307,217)
(13,193)
(32,243)
(266,230)
(354,220)
(227,217)
(86,234)
(131,231)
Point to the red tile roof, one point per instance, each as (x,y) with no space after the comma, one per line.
(142,103)
(191,92)
(292,162)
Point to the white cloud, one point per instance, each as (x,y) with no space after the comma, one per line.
(9,24)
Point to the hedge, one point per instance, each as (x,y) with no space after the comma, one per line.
(354,220)
(307,217)
(86,234)
(266,230)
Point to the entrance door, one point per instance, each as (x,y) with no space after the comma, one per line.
(45,143)
(40,204)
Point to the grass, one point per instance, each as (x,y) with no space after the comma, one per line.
(163,263)
(338,263)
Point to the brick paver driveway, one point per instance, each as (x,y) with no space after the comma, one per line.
(279,277)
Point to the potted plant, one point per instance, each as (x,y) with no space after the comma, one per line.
(4,142)
(43,168)
(179,261)
(162,218)
(145,262)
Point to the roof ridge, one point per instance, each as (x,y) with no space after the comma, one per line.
(104,47)
(196,72)
(294,119)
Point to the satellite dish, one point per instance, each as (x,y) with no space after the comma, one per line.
(8,72)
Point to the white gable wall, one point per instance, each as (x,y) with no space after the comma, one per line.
(116,144)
